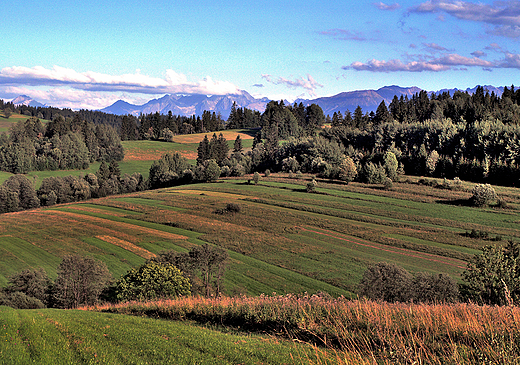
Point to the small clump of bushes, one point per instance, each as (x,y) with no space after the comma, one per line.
(231,208)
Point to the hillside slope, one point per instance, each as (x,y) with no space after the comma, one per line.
(283,240)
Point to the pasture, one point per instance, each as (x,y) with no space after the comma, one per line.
(283,240)
(78,337)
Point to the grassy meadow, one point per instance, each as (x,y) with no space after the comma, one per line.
(285,245)
(283,240)
(80,337)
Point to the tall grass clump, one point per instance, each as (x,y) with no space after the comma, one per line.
(359,331)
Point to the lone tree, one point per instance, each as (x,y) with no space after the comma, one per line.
(347,170)
(204,265)
(80,281)
(493,276)
(483,194)
(152,280)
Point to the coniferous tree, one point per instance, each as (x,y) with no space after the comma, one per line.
(237,146)
(203,151)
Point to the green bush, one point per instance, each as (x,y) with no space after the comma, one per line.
(387,282)
(152,280)
(483,194)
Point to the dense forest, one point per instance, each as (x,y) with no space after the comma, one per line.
(58,145)
(472,137)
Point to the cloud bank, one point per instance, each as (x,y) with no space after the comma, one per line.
(444,63)
(94,81)
(67,88)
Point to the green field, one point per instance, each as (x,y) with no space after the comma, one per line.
(79,337)
(283,240)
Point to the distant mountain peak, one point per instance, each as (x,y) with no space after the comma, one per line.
(26,100)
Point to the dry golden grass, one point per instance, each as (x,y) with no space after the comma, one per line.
(127,246)
(359,331)
(196,138)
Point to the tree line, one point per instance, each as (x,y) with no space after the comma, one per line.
(84,280)
(491,278)
(60,144)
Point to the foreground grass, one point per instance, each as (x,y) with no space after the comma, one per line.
(360,332)
(80,337)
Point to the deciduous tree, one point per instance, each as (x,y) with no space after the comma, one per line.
(80,281)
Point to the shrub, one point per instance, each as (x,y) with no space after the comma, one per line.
(21,300)
(256,177)
(32,282)
(231,208)
(267,173)
(483,194)
(434,288)
(311,186)
(152,280)
(387,282)
(389,184)
(493,277)
(373,174)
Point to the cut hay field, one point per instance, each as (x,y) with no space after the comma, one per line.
(283,240)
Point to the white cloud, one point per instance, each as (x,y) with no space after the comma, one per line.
(443,63)
(95,81)
(383,6)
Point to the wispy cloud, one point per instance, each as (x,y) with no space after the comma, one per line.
(435,47)
(349,35)
(93,81)
(510,61)
(310,85)
(443,63)
(503,15)
(479,54)
(383,6)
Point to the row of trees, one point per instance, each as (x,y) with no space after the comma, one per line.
(156,126)
(50,113)
(18,192)
(86,281)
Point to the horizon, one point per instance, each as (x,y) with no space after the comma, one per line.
(90,55)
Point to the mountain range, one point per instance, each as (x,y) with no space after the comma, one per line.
(195,104)
(188,105)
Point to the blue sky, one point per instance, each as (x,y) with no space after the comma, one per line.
(91,53)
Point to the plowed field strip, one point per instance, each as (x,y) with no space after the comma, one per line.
(122,225)
(395,250)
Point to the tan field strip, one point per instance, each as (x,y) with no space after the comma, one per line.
(129,246)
